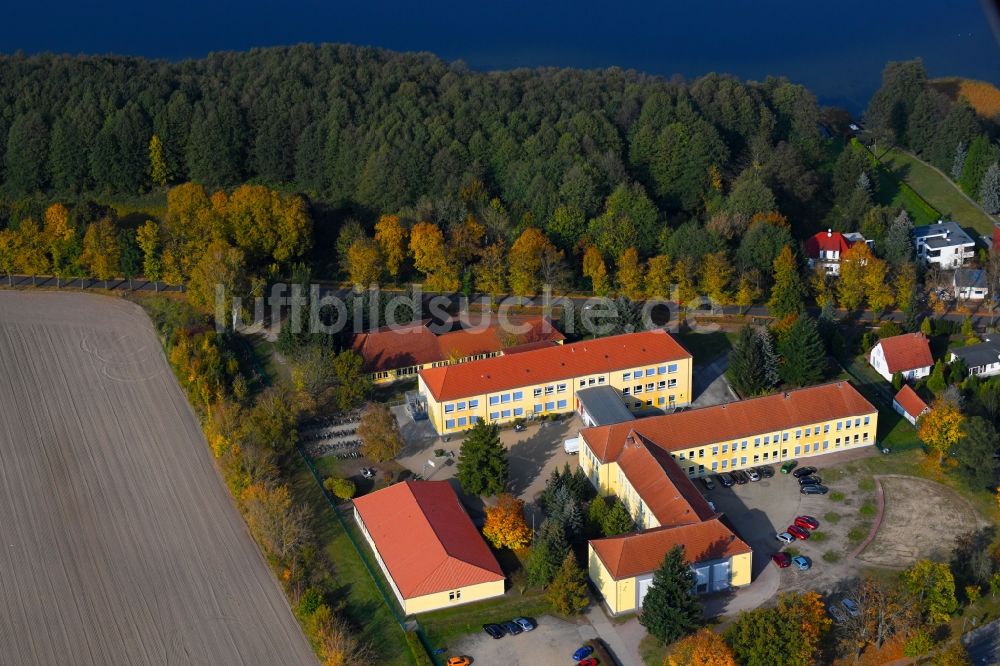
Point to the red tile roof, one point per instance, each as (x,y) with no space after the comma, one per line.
(908,399)
(590,357)
(906,352)
(668,493)
(426,539)
(828,241)
(636,554)
(719,423)
(393,347)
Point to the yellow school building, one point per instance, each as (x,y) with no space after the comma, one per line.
(426,545)
(650,463)
(648,370)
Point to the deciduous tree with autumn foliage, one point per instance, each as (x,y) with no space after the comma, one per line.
(505,526)
(702,648)
(941,428)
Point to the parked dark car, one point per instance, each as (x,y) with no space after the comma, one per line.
(789,466)
(814,490)
(803,471)
(766,471)
(708,483)
(810,481)
(782,560)
(511,627)
(494,630)
(726,480)
(741,477)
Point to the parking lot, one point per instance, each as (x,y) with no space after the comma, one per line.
(553,641)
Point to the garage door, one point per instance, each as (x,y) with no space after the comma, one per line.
(720,576)
(644,586)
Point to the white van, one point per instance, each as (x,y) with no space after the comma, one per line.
(572,445)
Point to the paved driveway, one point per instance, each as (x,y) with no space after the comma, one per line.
(552,642)
(710,384)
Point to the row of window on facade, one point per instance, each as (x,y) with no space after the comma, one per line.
(799,434)
(649,372)
(651,386)
(515,412)
(741,461)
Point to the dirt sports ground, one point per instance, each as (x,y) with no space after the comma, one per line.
(118,541)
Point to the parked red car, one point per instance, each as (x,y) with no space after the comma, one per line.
(798,532)
(782,560)
(808,522)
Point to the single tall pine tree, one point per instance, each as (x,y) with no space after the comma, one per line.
(482,467)
(989,190)
(802,353)
(670,609)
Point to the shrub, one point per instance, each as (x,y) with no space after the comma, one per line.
(342,489)
(818,537)
(867,510)
(857,533)
(832,517)
(866,484)
(831,556)
(917,644)
(837,496)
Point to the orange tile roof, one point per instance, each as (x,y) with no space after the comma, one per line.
(668,493)
(393,347)
(618,352)
(908,399)
(426,539)
(719,423)
(636,554)
(906,352)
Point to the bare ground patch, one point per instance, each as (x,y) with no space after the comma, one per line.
(922,520)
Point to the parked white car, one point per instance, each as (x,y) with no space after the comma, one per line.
(784,537)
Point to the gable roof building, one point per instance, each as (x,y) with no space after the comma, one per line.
(397,352)
(908,354)
(427,547)
(827,249)
(970,284)
(909,404)
(981,359)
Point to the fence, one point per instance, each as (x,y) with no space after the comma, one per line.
(113,284)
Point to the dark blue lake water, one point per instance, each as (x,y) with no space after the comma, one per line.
(836,48)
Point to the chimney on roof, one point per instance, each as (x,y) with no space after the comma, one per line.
(786,395)
(829,233)
(630,441)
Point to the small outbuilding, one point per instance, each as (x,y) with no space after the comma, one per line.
(969,284)
(909,404)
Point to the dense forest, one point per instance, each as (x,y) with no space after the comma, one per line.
(610,166)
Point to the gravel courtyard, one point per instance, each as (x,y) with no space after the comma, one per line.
(120,542)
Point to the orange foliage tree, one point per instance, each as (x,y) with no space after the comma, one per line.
(390,236)
(505,526)
(702,648)
(941,428)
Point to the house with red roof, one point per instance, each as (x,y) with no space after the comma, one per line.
(909,404)
(827,249)
(427,547)
(392,353)
(649,464)
(908,354)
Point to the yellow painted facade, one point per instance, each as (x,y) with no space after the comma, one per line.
(760,449)
(664,385)
(621,596)
(383,377)
(462,595)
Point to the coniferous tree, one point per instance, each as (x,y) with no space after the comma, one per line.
(982,153)
(568,590)
(769,358)
(899,240)
(958,164)
(989,190)
(802,354)
(670,609)
(27,153)
(67,157)
(482,467)
(788,291)
(746,364)
(547,553)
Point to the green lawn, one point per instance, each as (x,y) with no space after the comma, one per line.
(706,347)
(445,626)
(938,190)
(353,585)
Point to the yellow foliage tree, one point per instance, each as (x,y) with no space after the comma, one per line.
(594,268)
(702,648)
(189,225)
(430,257)
(59,234)
(716,276)
(364,263)
(491,271)
(147,237)
(101,252)
(466,240)
(505,526)
(221,265)
(8,251)
(29,249)
(525,260)
(684,277)
(630,274)
(904,283)
(266,224)
(390,235)
(658,277)
(157,163)
(822,287)
(941,428)
(749,291)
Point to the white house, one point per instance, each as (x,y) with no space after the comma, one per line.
(827,249)
(908,354)
(982,359)
(944,244)
(969,284)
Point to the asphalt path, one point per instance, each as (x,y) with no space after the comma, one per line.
(120,543)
